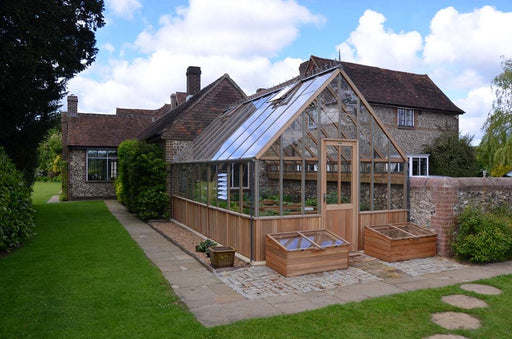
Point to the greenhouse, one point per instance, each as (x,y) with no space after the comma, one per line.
(309,155)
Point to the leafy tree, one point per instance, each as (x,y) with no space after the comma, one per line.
(50,154)
(452,156)
(16,212)
(43,44)
(495,150)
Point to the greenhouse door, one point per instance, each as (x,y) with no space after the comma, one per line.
(340,188)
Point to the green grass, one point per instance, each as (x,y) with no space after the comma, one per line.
(82,276)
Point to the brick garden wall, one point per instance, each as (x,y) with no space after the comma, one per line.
(435,202)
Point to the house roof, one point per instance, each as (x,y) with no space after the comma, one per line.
(108,130)
(388,87)
(194,124)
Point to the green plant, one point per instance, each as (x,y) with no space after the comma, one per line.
(140,184)
(204,246)
(16,212)
(311,202)
(482,237)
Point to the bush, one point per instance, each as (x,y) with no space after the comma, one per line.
(483,237)
(452,156)
(152,203)
(16,212)
(140,184)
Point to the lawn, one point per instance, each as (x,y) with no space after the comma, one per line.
(82,276)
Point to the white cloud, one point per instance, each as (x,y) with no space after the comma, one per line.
(473,38)
(236,37)
(370,43)
(124,8)
(477,105)
(108,47)
(243,28)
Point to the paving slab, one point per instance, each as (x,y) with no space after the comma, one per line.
(481,289)
(464,301)
(214,315)
(456,320)
(364,291)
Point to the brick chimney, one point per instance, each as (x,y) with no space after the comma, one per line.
(193,80)
(174,100)
(72,105)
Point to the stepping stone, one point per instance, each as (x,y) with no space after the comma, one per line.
(481,289)
(464,301)
(445,336)
(456,320)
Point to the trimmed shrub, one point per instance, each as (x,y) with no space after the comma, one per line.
(483,237)
(140,184)
(16,212)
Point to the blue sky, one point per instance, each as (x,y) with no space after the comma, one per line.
(146,46)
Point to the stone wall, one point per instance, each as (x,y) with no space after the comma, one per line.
(436,201)
(427,126)
(79,187)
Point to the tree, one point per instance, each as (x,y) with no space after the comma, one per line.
(452,156)
(43,44)
(495,150)
(50,154)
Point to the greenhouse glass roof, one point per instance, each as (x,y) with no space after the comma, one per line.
(242,132)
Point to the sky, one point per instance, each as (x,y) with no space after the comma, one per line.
(146,46)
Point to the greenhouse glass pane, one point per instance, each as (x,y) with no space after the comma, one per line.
(245,131)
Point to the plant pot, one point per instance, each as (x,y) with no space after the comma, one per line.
(221,256)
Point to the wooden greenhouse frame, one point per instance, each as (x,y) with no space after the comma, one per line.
(310,155)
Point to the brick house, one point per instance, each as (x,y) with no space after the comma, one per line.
(412,108)
(90,140)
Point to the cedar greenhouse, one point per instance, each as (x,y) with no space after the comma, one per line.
(309,155)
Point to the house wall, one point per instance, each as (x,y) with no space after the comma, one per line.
(436,202)
(428,125)
(79,188)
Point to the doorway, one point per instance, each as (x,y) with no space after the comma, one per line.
(340,188)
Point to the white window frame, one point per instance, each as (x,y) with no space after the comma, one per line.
(310,120)
(411,158)
(405,117)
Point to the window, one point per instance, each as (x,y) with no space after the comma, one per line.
(101,165)
(418,165)
(235,176)
(405,117)
(311,119)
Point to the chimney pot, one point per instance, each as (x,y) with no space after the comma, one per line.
(72,105)
(193,80)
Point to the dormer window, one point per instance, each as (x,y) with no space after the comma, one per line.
(405,117)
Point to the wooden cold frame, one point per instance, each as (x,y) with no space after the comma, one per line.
(396,242)
(314,259)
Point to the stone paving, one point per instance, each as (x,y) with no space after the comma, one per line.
(261,281)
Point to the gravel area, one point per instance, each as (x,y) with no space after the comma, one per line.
(188,241)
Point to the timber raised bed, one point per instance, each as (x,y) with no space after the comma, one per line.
(396,242)
(304,252)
